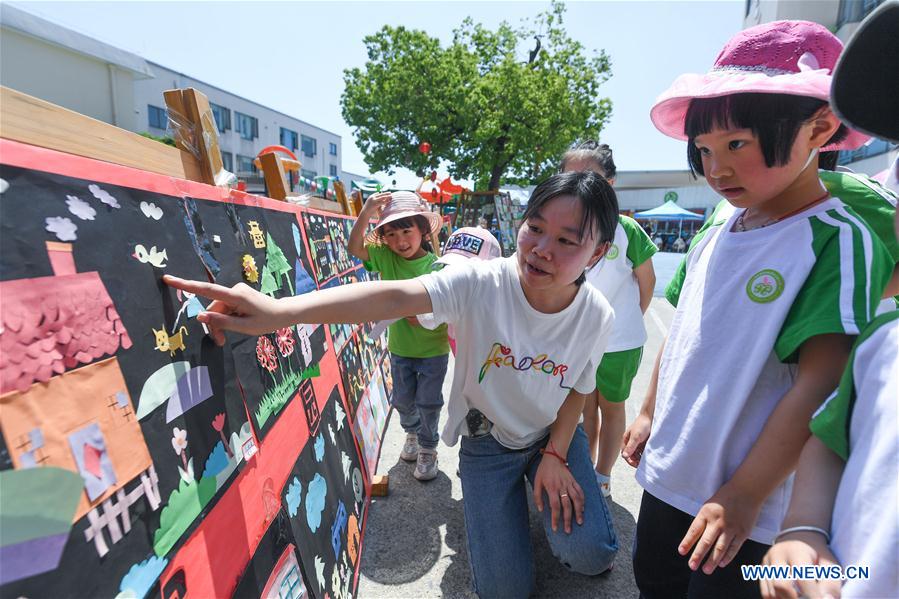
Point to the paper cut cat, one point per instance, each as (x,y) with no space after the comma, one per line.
(170,343)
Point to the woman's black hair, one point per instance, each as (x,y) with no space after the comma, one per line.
(413,221)
(599,153)
(598,201)
(774,119)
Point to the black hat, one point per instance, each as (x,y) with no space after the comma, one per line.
(865,89)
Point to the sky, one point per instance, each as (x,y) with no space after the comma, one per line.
(290,56)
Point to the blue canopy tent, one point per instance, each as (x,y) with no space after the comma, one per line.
(669,211)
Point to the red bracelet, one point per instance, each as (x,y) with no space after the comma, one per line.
(551,451)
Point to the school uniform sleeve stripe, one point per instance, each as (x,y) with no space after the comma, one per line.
(640,247)
(840,293)
(856,258)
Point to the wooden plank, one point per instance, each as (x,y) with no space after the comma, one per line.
(273,171)
(380,485)
(323,204)
(200,113)
(33,121)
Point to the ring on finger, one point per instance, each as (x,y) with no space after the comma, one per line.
(564,495)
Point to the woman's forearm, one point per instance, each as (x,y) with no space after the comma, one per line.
(359,302)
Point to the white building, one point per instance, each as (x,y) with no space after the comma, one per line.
(69,69)
(51,62)
(842,17)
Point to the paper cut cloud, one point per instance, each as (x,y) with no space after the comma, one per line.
(319,448)
(140,578)
(62,227)
(151,210)
(80,208)
(293,497)
(345,461)
(340,415)
(315,501)
(104,196)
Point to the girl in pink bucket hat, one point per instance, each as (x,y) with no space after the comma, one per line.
(773,295)
(398,248)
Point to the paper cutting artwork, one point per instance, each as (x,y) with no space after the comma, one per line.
(60,408)
(38,508)
(170,343)
(89,451)
(332,497)
(152,256)
(51,324)
(256,234)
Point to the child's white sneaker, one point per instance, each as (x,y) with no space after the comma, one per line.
(605,484)
(410,448)
(426,468)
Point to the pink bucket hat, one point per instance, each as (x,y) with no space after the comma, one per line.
(470,242)
(784,57)
(403,204)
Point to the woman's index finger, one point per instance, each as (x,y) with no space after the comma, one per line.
(201,288)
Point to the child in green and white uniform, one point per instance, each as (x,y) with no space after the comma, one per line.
(626,278)
(771,300)
(873,202)
(843,507)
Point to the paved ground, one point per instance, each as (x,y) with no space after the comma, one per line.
(415,537)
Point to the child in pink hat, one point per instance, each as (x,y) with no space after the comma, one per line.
(773,296)
(398,248)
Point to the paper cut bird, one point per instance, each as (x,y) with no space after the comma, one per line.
(154,257)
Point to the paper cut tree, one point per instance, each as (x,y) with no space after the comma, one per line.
(276,267)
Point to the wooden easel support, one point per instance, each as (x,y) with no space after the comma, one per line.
(199,135)
(380,485)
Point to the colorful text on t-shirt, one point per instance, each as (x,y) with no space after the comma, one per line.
(500,355)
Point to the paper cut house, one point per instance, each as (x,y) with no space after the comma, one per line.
(80,419)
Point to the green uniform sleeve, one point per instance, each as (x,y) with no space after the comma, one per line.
(719,215)
(640,247)
(874,203)
(832,420)
(841,292)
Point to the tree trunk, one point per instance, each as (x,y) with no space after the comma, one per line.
(495,173)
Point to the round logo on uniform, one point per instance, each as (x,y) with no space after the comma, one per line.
(765,286)
(613,252)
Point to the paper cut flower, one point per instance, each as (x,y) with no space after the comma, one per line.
(218,423)
(250,272)
(104,196)
(179,440)
(265,353)
(285,340)
(80,208)
(62,227)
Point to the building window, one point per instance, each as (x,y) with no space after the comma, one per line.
(158,118)
(332,149)
(222,117)
(289,139)
(853,11)
(333,170)
(228,161)
(309,174)
(245,165)
(310,147)
(873,148)
(247,126)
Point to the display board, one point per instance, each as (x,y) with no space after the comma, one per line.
(137,458)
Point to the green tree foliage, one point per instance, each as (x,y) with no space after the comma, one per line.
(489,105)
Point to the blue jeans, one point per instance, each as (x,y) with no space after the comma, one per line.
(418,395)
(496,516)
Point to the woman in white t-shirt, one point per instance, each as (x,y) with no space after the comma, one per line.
(522,372)
(626,278)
